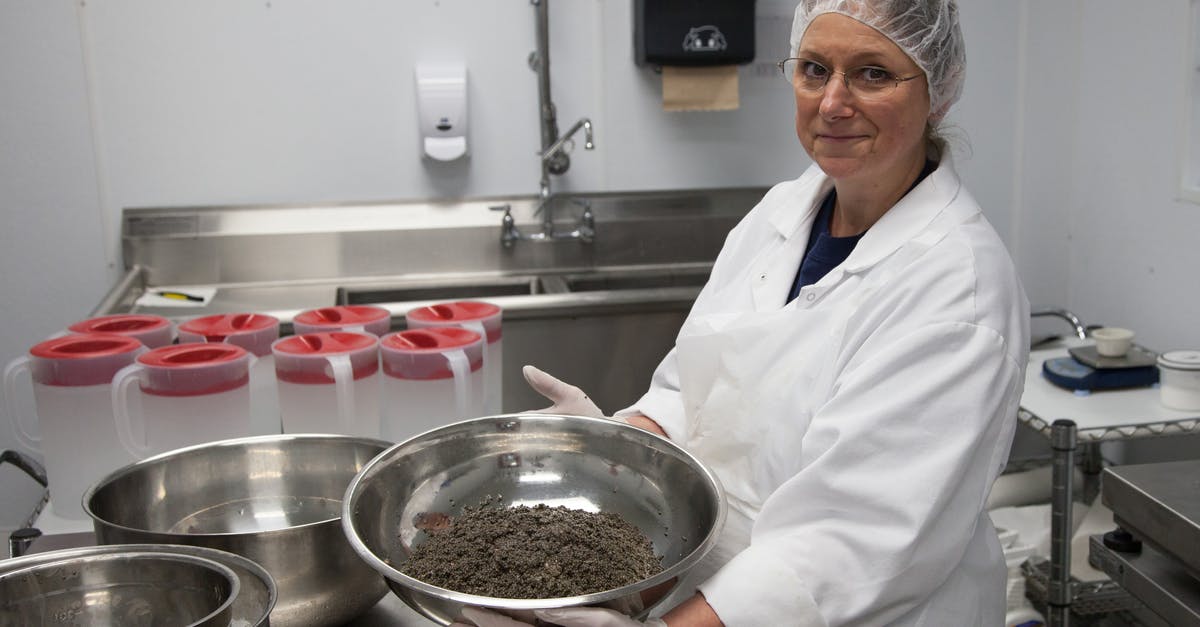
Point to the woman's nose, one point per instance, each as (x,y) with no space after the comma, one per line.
(835,100)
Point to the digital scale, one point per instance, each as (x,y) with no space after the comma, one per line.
(1087,370)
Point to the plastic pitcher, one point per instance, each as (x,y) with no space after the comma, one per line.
(190,394)
(431,377)
(368,318)
(482,318)
(255,333)
(153,331)
(78,441)
(329,383)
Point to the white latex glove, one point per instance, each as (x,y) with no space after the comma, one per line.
(480,617)
(565,617)
(567,398)
(593,617)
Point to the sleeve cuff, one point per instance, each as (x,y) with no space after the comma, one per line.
(663,407)
(757,588)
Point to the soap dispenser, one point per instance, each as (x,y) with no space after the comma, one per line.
(442,111)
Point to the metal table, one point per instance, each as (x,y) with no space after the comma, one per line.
(1158,505)
(1078,423)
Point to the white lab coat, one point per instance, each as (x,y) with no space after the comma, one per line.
(858,429)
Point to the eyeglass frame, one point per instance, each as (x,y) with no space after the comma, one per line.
(845,77)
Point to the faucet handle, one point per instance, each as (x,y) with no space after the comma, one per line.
(506,208)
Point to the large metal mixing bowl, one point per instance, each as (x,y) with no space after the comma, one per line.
(276,500)
(254,601)
(125,588)
(526,459)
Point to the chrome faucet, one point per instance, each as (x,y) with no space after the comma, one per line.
(584,231)
(554,160)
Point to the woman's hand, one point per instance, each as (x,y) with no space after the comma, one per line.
(569,399)
(566,398)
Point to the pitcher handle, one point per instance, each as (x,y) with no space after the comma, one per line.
(124,378)
(460,367)
(11,372)
(477,326)
(343,381)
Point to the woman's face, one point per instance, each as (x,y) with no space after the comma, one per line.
(848,137)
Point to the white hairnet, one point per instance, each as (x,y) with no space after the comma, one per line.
(926,30)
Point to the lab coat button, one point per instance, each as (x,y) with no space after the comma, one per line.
(762,277)
(811,296)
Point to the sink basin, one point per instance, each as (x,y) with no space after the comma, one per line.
(441,290)
(600,281)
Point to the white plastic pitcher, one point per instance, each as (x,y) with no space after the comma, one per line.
(255,333)
(78,441)
(329,383)
(432,377)
(482,318)
(190,394)
(153,331)
(368,318)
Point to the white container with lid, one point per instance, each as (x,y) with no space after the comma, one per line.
(482,318)
(255,333)
(329,383)
(78,439)
(1179,380)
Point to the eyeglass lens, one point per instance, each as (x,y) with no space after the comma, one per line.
(865,82)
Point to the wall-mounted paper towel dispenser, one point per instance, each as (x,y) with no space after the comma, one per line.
(693,32)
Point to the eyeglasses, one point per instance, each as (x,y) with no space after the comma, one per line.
(868,82)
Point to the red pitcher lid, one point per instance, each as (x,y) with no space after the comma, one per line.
(192,355)
(85,346)
(331,343)
(82,359)
(430,340)
(300,358)
(153,331)
(421,353)
(253,332)
(342,315)
(195,369)
(457,313)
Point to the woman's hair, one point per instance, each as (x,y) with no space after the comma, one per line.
(927,31)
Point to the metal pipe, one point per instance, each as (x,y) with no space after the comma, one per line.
(549,123)
(1080,330)
(1058,585)
(588,144)
(118,292)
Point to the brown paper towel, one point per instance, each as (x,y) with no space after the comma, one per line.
(712,88)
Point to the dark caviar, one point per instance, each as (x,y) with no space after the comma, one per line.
(538,552)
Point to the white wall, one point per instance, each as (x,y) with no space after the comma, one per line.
(53,265)
(1101,230)
(1071,115)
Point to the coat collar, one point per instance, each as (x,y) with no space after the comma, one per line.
(908,217)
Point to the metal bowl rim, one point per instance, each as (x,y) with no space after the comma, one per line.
(217,555)
(235,582)
(230,443)
(396,576)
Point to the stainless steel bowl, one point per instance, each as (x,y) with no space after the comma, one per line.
(275,500)
(124,588)
(251,608)
(582,463)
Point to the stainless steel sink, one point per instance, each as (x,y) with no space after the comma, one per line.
(657,278)
(445,289)
(600,315)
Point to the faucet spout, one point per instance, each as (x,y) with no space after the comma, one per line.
(588,142)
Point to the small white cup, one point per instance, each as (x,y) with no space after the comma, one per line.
(1112,341)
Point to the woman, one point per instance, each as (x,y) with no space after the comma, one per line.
(852,369)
